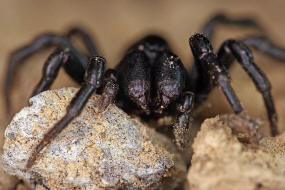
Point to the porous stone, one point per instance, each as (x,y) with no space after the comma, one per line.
(7,182)
(222,161)
(96,151)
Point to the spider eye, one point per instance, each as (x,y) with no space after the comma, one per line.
(152,46)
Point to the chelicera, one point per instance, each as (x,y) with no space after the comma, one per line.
(150,79)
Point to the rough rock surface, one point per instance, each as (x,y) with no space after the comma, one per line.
(7,182)
(96,151)
(222,162)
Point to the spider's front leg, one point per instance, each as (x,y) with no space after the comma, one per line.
(92,81)
(204,56)
(216,67)
(238,50)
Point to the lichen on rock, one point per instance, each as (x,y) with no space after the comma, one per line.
(221,161)
(96,151)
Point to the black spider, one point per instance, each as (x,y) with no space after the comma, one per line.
(151,78)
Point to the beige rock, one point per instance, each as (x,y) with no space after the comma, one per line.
(222,162)
(7,182)
(24,187)
(96,151)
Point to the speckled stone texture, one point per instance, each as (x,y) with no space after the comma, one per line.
(96,151)
(222,162)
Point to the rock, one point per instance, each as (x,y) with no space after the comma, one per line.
(23,187)
(222,162)
(7,182)
(96,151)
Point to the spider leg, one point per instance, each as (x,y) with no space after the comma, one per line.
(110,89)
(86,39)
(261,43)
(266,46)
(208,61)
(39,43)
(222,19)
(50,70)
(72,68)
(181,126)
(92,81)
(235,49)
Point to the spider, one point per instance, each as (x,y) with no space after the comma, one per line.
(150,79)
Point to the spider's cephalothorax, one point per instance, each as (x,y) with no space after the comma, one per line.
(150,77)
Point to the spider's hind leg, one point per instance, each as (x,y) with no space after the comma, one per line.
(235,49)
(86,39)
(222,19)
(17,57)
(260,42)
(266,46)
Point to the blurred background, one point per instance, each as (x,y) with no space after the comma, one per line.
(115,25)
